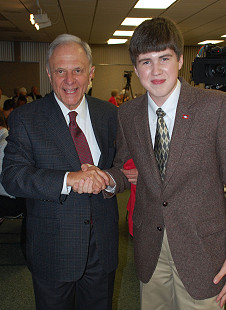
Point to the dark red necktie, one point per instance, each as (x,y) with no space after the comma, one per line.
(80,141)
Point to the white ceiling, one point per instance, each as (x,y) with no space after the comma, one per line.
(96,20)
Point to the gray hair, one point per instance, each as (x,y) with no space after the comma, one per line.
(64,39)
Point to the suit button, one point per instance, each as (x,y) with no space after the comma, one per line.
(165,204)
(86,222)
(159,228)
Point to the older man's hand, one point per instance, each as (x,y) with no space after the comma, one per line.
(88,180)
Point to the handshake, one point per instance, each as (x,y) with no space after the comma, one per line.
(90,179)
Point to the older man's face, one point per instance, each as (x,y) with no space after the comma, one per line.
(69,73)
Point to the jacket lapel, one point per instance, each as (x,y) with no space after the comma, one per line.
(183,121)
(57,127)
(100,129)
(141,125)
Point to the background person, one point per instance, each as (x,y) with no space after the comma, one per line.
(8,107)
(23,92)
(113,97)
(3,98)
(34,94)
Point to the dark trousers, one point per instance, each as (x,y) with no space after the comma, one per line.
(93,291)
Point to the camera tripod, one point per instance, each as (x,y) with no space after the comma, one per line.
(128,89)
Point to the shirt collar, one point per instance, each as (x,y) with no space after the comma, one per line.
(81,109)
(170,105)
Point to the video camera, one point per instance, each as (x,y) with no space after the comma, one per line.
(210,69)
(128,75)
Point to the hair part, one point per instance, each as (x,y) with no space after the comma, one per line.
(66,39)
(155,35)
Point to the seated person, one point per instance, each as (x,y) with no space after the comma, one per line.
(113,97)
(34,94)
(8,107)
(21,101)
(3,98)
(23,92)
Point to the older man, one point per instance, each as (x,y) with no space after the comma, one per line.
(72,239)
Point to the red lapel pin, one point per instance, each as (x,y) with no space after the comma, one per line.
(185,116)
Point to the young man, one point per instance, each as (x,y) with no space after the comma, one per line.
(72,239)
(178,144)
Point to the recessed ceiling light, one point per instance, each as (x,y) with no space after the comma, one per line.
(210,42)
(133,21)
(153,4)
(123,33)
(116,41)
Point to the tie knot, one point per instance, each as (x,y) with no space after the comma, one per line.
(72,116)
(160,112)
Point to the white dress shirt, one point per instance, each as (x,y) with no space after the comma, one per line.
(169,107)
(84,122)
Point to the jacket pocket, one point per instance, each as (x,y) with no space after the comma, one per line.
(210,227)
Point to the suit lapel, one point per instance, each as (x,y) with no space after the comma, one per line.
(183,121)
(57,127)
(100,129)
(141,125)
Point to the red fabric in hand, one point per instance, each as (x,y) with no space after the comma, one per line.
(130,205)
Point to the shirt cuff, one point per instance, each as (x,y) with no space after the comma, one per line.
(66,189)
(110,189)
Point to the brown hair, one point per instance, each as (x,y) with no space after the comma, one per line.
(155,35)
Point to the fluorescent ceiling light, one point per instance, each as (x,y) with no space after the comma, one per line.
(32,20)
(223,36)
(116,41)
(123,33)
(132,21)
(41,18)
(210,42)
(44,25)
(153,4)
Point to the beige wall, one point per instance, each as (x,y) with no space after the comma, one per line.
(16,74)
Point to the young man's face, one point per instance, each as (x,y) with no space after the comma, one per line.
(158,73)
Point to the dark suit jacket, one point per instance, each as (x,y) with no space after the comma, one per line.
(40,150)
(190,203)
(32,95)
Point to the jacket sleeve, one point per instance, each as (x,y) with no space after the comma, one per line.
(21,176)
(122,155)
(221,140)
